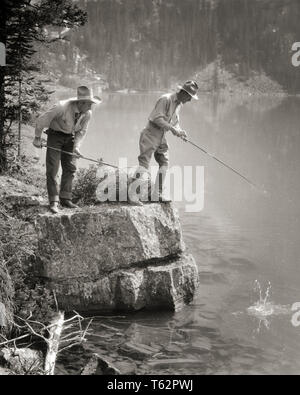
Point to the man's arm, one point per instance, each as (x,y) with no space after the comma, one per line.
(82,130)
(44,121)
(158,117)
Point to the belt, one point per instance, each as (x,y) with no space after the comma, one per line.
(58,131)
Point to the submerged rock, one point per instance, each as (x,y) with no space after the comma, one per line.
(126,367)
(137,351)
(98,366)
(116,257)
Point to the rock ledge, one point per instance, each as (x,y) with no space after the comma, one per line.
(116,257)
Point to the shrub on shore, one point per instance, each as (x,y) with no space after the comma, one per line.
(21,292)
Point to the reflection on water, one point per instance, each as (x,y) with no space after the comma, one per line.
(240,237)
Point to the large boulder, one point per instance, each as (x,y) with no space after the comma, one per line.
(116,257)
(166,285)
(105,257)
(90,242)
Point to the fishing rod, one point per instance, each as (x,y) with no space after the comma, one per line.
(220,161)
(99,162)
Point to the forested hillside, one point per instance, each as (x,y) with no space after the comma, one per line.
(151,44)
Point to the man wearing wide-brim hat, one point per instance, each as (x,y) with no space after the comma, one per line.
(66,125)
(163,118)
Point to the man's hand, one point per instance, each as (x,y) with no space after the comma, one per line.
(37,142)
(180,133)
(77,152)
(183,135)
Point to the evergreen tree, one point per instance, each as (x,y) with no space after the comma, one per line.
(23,23)
(152,44)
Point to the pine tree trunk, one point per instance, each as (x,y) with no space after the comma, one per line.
(3,158)
(2,119)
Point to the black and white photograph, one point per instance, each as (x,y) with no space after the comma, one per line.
(149,190)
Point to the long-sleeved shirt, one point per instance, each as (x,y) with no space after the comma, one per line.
(62,118)
(165,114)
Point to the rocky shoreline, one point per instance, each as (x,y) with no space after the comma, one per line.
(103,258)
(110,256)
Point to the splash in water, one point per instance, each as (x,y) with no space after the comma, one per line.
(264,308)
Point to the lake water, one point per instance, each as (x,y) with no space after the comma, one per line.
(240,237)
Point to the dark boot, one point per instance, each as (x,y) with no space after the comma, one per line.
(67,203)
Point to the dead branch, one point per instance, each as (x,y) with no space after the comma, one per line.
(53,344)
(52,336)
(55,300)
(14,340)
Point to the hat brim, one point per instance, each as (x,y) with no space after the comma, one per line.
(193,96)
(94,100)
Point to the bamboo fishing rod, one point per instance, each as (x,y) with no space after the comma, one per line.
(99,162)
(220,161)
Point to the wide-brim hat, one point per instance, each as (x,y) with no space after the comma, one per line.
(86,94)
(190,87)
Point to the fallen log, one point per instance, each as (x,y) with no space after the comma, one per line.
(56,343)
(53,343)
